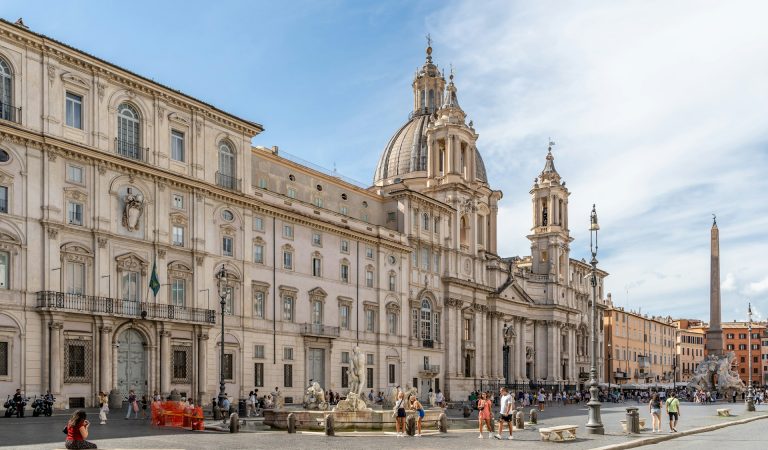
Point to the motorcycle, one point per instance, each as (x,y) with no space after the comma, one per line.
(42,406)
(12,407)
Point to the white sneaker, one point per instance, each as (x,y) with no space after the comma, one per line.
(509,438)
(418,435)
(480,436)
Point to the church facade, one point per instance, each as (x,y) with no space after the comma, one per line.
(108,179)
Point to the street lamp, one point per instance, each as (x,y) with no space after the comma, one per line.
(594,424)
(223,285)
(750,392)
(610,371)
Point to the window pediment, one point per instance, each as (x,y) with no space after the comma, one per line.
(178,219)
(228,230)
(179,118)
(344,301)
(76,249)
(260,286)
(131,262)
(317,294)
(179,269)
(393,307)
(72,79)
(75,194)
(287,289)
(370,305)
(258,240)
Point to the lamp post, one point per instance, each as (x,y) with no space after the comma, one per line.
(594,424)
(223,285)
(610,371)
(750,392)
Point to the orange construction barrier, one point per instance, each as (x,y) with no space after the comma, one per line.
(177,415)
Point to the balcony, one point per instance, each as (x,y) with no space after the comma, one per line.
(131,150)
(468,345)
(319,330)
(227,182)
(91,305)
(430,369)
(10,113)
(620,375)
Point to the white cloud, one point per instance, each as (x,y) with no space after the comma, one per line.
(659,112)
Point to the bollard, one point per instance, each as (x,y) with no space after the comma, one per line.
(466,411)
(519,420)
(329,431)
(410,425)
(442,423)
(534,416)
(234,423)
(291,423)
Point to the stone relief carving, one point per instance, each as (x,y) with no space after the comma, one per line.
(132,210)
(530,353)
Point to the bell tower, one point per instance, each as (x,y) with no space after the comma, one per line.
(550,238)
(428,85)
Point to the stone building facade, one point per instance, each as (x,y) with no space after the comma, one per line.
(107,177)
(690,347)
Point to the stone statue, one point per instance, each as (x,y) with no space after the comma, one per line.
(132,210)
(355,400)
(278,399)
(721,368)
(315,397)
(432,399)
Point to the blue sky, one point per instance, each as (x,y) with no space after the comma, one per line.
(658,109)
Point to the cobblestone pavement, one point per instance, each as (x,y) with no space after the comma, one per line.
(45,432)
(750,436)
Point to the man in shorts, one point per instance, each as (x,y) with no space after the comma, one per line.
(672,405)
(507,406)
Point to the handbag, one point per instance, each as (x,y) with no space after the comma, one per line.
(135,406)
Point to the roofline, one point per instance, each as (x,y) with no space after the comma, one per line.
(15,27)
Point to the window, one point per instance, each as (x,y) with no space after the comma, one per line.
(425,258)
(369,377)
(263,183)
(178,235)
(391,374)
(415,323)
(742,346)
(258,305)
(317,312)
(344,317)
(369,359)
(316,267)
(436,326)
(4,270)
(391,217)
(227,215)
(180,367)
(75,278)
(77,362)
(344,210)
(288,231)
(178,292)
(130,286)
(729,336)
(426,320)
(345,357)
(425,222)
(369,252)
(291,193)
(227,246)
(345,272)
(344,376)
(229,369)
(369,278)
(288,353)
(392,323)
(6,91)
(258,351)
(364,217)
(74,110)
(258,223)
(344,246)
(258,254)
(258,374)
(177,146)
(3,199)
(370,320)
(392,282)
(227,167)
(317,239)
(74,213)
(467,329)
(177,200)
(742,335)
(288,308)
(288,260)
(74,174)
(436,228)
(437,262)
(128,134)
(318,201)
(4,359)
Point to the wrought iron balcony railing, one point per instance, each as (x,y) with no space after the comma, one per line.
(430,368)
(428,343)
(10,113)
(227,181)
(88,304)
(131,149)
(314,329)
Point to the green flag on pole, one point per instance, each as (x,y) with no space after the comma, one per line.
(154,281)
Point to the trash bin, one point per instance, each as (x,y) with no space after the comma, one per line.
(633,420)
(242,409)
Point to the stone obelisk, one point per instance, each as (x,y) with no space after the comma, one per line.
(715,332)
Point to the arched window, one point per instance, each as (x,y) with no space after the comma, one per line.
(128,132)
(6,90)
(423,103)
(425,222)
(480,234)
(464,233)
(431,100)
(426,320)
(227,167)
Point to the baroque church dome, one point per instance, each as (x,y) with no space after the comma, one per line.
(406,152)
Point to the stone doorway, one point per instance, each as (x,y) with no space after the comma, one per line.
(131,363)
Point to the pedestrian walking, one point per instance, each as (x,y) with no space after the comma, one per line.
(103,408)
(672,405)
(484,415)
(133,406)
(144,403)
(654,406)
(505,413)
(77,431)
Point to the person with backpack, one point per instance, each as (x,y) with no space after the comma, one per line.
(672,406)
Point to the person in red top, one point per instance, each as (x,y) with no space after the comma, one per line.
(484,414)
(77,431)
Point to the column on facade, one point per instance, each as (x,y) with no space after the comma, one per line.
(493,343)
(56,352)
(572,353)
(520,323)
(459,339)
(431,159)
(165,364)
(554,350)
(478,342)
(105,359)
(202,364)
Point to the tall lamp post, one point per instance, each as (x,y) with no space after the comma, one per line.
(610,371)
(594,424)
(223,285)
(750,392)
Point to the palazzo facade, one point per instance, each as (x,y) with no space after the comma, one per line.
(107,177)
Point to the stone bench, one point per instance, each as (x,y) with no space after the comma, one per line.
(724,412)
(558,434)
